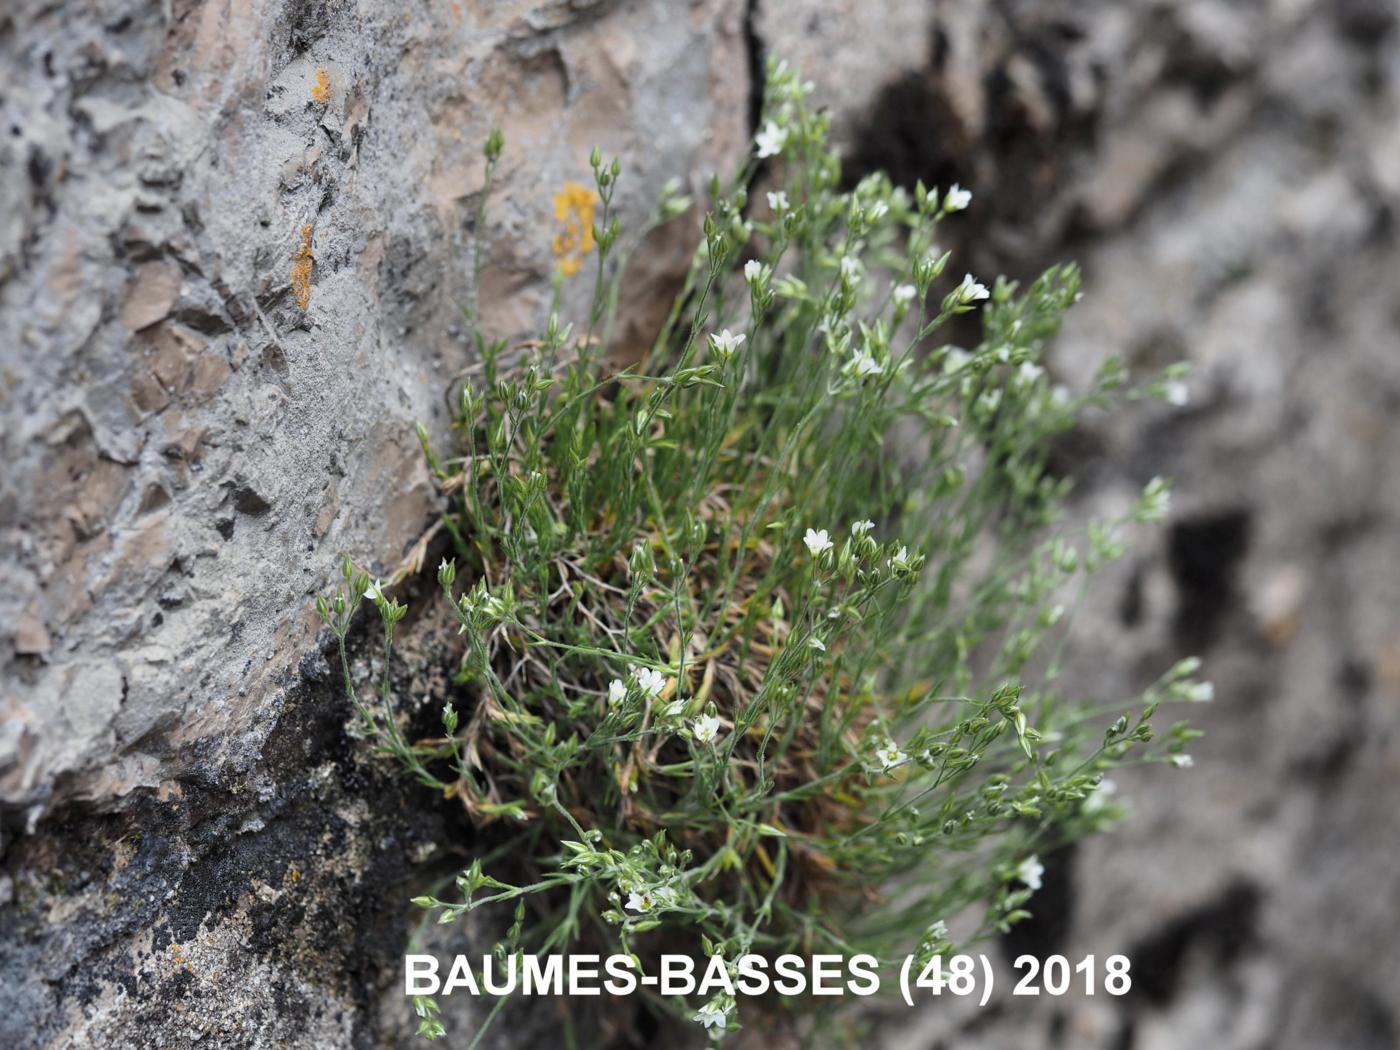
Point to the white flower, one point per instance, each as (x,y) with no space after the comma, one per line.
(860,528)
(817,644)
(1030,872)
(771,140)
(726,342)
(755,272)
(862,365)
(1176,393)
(711,1016)
(617,691)
(705,728)
(375,592)
(1200,692)
(640,901)
(1183,761)
(1100,796)
(850,267)
(955,359)
(650,681)
(904,294)
(778,202)
(971,290)
(877,211)
(888,755)
(901,559)
(956,198)
(1028,373)
(818,541)
(989,401)
(935,935)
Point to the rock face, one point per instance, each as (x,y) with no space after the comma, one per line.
(1226,174)
(234,243)
(233,252)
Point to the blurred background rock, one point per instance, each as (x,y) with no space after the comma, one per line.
(192,850)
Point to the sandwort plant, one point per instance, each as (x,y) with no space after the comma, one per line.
(761,635)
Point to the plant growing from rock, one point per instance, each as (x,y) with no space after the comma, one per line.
(761,635)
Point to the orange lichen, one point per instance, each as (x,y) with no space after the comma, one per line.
(574,206)
(179,959)
(301,268)
(321,90)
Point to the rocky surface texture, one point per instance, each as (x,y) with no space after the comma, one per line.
(1227,176)
(234,242)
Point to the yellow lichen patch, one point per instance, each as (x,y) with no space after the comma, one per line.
(178,957)
(321,89)
(573,207)
(301,268)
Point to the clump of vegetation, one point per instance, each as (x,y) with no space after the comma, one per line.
(761,634)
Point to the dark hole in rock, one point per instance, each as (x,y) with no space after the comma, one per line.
(1222,929)
(1329,759)
(1365,22)
(1130,605)
(247,500)
(1203,554)
(912,133)
(1051,908)
(1354,678)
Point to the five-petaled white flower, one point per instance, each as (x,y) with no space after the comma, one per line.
(1030,871)
(778,201)
(1183,761)
(755,272)
(957,198)
(711,1016)
(850,267)
(862,365)
(904,294)
(375,591)
(818,541)
(617,691)
(901,559)
(640,900)
(860,528)
(726,342)
(1028,373)
(705,728)
(771,140)
(650,681)
(1177,393)
(971,290)
(889,755)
